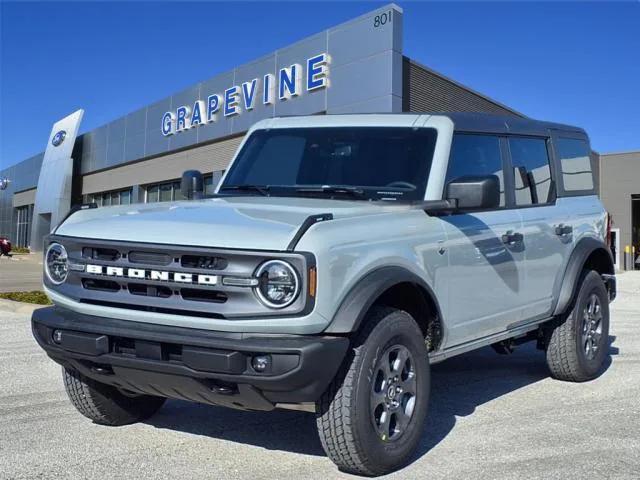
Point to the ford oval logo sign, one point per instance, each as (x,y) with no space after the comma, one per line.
(58,138)
(4,183)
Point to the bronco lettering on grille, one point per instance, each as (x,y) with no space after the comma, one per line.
(157,275)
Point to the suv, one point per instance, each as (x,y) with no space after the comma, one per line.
(338,259)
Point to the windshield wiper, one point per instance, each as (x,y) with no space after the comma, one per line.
(343,189)
(261,189)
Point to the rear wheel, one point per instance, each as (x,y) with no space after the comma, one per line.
(371,418)
(578,345)
(105,404)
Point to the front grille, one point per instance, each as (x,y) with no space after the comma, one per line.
(150,308)
(100,285)
(149,290)
(150,258)
(205,262)
(202,295)
(171,279)
(103,254)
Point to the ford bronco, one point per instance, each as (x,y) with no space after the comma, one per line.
(339,258)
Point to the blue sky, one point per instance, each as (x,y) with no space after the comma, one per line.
(568,62)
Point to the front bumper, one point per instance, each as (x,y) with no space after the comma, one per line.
(191,364)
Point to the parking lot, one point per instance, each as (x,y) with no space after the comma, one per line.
(491,417)
(21,273)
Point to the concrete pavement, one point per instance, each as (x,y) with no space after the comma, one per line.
(21,273)
(491,417)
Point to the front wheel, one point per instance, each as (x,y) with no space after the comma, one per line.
(105,404)
(371,418)
(578,345)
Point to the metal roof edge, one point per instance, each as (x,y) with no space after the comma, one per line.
(458,84)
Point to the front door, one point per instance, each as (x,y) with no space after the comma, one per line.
(485,274)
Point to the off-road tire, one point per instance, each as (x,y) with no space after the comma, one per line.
(566,356)
(344,416)
(105,404)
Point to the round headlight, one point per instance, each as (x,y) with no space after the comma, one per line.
(56,263)
(278,284)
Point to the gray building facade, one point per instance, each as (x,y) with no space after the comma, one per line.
(355,67)
(619,178)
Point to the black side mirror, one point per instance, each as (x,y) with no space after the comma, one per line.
(192,185)
(475,192)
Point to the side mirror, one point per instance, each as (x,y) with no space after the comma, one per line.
(192,185)
(474,192)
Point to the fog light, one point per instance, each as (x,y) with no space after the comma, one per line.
(57,336)
(261,363)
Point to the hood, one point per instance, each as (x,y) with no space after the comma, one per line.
(257,223)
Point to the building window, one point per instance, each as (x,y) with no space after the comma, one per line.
(170,191)
(164,192)
(108,199)
(167,192)
(23,230)
(126,196)
(211,182)
(575,162)
(531,170)
(152,194)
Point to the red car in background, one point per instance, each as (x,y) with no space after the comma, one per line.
(5,246)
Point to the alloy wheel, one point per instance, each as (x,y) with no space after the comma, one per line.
(393,393)
(592,327)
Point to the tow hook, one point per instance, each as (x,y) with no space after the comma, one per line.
(223,389)
(102,370)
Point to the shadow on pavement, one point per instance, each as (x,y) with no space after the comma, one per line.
(458,387)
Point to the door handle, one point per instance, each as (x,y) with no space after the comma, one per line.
(563,230)
(511,238)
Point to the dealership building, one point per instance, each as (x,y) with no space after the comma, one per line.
(356,67)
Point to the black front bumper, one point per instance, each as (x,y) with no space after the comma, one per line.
(197,365)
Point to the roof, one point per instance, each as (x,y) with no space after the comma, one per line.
(463,121)
(612,154)
(496,123)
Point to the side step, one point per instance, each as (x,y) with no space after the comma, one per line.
(520,331)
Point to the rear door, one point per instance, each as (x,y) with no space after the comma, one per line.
(547,234)
(485,274)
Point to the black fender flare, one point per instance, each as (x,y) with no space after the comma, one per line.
(366,291)
(570,281)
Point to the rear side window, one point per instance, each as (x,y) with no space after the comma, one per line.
(476,155)
(531,170)
(575,164)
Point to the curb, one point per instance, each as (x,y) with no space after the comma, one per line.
(18,307)
(17,257)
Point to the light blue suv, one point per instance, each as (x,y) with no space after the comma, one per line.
(338,259)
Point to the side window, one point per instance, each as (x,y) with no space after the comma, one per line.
(575,164)
(476,155)
(531,170)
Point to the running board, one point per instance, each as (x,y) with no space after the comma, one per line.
(436,357)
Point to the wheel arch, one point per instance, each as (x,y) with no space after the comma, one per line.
(589,253)
(394,287)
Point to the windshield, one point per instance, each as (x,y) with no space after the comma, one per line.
(373,163)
